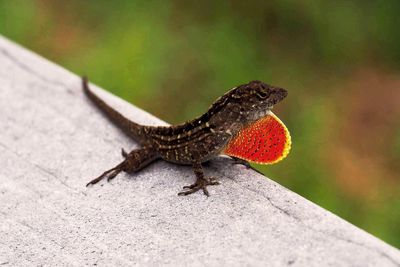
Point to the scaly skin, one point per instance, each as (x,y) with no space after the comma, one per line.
(195,141)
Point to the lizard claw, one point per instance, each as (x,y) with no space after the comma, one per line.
(200,184)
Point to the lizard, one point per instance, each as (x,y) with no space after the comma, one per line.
(239,124)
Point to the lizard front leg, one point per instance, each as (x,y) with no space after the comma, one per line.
(201,181)
(134,161)
(245,163)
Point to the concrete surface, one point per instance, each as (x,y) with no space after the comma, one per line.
(53,141)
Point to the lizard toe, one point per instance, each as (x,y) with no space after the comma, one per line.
(190,191)
(213,181)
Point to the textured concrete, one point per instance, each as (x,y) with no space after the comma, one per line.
(53,141)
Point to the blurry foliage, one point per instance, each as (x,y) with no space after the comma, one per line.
(339,61)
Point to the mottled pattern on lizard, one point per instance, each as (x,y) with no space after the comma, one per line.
(198,140)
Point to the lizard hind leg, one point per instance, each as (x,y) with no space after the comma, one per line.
(201,182)
(134,161)
(124,153)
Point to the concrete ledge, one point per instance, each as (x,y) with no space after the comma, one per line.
(53,141)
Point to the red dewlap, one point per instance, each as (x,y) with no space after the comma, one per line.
(265,141)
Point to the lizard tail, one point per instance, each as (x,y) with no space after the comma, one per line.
(130,128)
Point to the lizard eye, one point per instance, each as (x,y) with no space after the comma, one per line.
(262,95)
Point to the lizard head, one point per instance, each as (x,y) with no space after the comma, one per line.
(244,104)
(260,95)
(256,98)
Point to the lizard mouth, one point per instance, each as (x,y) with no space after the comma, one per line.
(277,95)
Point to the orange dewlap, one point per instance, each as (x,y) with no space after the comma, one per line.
(266,141)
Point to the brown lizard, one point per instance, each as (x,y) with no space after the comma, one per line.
(239,124)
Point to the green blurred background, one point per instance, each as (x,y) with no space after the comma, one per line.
(339,60)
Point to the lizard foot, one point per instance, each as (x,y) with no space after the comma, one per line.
(110,174)
(199,184)
(244,163)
